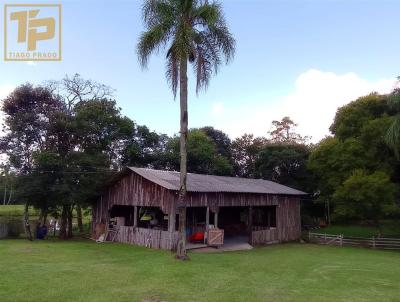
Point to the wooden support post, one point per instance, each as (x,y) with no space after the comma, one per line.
(207,218)
(207,225)
(250,223)
(216,219)
(135,216)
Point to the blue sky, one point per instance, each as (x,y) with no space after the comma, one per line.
(297,58)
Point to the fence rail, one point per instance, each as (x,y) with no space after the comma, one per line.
(340,240)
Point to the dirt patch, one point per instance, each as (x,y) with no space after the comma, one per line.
(154,298)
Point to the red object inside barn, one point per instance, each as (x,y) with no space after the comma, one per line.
(196,237)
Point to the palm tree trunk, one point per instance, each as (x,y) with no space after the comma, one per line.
(183,95)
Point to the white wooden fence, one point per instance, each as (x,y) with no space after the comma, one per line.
(340,240)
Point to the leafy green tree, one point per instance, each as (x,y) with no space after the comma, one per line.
(89,136)
(100,128)
(392,137)
(57,143)
(221,140)
(193,31)
(28,110)
(332,162)
(245,150)
(358,144)
(146,148)
(283,131)
(203,156)
(285,164)
(351,118)
(365,196)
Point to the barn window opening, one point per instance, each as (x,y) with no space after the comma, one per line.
(122,215)
(264,217)
(152,218)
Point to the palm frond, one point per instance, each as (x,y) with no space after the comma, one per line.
(172,70)
(157,11)
(159,18)
(213,41)
(211,17)
(150,41)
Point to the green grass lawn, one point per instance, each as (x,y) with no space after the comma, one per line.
(86,271)
(16,210)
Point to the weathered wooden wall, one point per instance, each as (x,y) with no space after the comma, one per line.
(288,224)
(147,237)
(132,189)
(222,199)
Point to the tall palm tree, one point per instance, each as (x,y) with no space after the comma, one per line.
(194,32)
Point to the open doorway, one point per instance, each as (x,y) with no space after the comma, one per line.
(238,225)
(235,223)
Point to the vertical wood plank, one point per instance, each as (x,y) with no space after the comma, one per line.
(135,216)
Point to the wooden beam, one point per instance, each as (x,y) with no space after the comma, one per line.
(207,218)
(135,216)
(207,225)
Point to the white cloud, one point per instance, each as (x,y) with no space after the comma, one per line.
(312,104)
(5,90)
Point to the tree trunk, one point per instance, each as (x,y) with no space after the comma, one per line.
(9,198)
(183,95)
(69,221)
(27,226)
(5,193)
(79,218)
(63,224)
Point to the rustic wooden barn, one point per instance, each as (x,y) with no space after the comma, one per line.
(141,203)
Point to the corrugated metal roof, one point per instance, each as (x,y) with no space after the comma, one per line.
(212,183)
